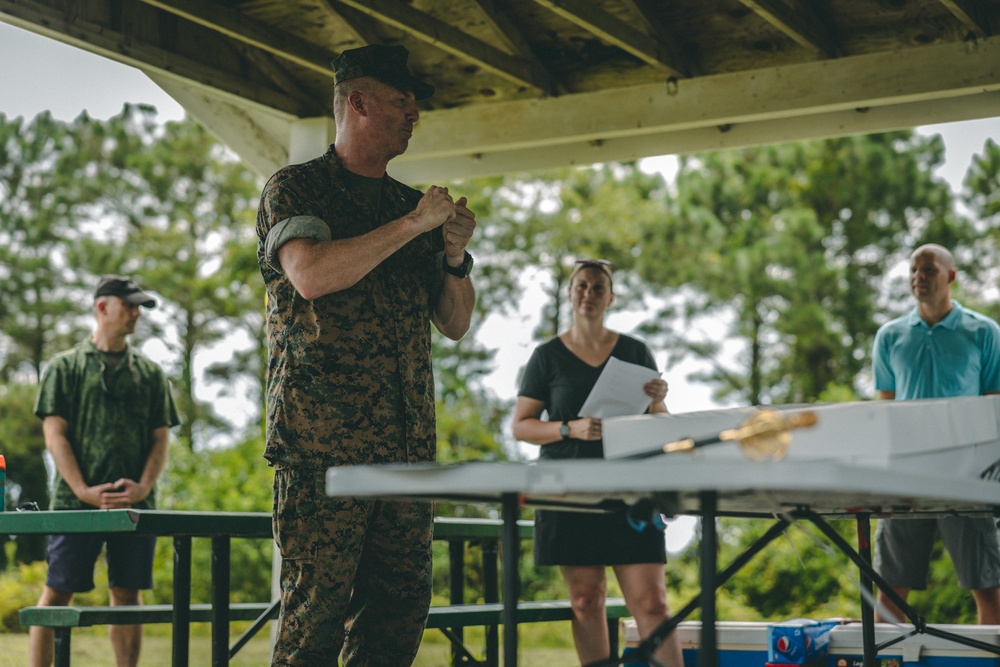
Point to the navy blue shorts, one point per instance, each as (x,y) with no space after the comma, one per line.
(72,557)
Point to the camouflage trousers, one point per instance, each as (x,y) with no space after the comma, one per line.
(355,575)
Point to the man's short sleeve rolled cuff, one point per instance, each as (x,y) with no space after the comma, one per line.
(289,229)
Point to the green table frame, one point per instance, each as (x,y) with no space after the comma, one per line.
(182,526)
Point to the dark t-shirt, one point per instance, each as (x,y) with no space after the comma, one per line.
(562,381)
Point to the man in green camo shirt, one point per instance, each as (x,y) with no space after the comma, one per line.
(355,264)
(106,413)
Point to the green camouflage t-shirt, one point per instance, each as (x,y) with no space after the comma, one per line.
(349,377)
(111,414)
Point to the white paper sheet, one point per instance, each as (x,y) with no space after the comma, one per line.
(618,391)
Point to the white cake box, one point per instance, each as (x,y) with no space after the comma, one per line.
(958,437)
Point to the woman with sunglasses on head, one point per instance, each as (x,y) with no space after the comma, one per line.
(557,381)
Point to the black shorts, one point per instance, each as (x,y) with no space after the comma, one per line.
(593,538)
(71,561)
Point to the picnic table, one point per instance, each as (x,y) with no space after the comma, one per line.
(221,528)
(182,526)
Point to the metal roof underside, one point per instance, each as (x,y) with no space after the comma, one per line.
(531,84)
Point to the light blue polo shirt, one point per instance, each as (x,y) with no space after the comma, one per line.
(958,356)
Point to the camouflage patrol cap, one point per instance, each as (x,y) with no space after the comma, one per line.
(385,63)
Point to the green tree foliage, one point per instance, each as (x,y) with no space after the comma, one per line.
(165,203)
(197,245)
(981,194)
(27,480)
(982,186)
(536,225)
(43,208)
(790,244)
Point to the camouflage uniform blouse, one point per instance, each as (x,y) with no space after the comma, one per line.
(349,376)
(110,420)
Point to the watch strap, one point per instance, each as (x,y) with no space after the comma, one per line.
(458,271)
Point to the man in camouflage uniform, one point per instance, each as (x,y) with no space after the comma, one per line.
(355,263)
(106,413)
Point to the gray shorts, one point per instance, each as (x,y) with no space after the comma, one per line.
(903,550)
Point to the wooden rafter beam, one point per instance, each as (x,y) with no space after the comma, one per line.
(273,69)
(432,31)
(605,26)
(356,22)
(242,28)
(798,21)
(970,13)
(651,17)
(505,30)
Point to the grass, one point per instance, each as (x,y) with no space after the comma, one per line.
(541,645)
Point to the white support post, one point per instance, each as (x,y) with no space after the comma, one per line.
(309,138)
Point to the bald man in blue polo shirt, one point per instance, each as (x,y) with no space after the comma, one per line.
(937,350)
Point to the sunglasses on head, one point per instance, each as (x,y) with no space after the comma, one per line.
(602,263)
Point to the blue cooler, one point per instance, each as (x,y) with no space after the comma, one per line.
(630,634)
(738,644)
(847,650)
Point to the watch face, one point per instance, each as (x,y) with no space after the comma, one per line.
(564,430)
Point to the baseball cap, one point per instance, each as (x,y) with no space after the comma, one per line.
(385,63)
(125,289)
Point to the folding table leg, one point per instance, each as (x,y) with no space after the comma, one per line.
(867,587)
(511,577)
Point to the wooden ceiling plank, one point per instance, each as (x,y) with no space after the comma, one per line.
(584,14)
(505,30)
(270,67)
(969,12)
(104,40)
(651,17)
(242,28)
(356,22)
(799,22)
(454,41)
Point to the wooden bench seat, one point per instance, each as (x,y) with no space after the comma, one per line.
(82,617)
(445,617)
(466,615)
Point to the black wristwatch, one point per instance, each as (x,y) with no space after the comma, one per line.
(458,271)
(564,430)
